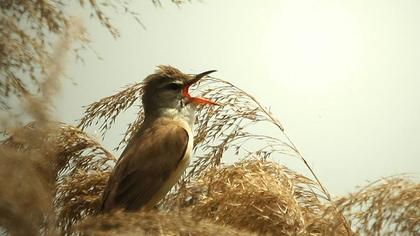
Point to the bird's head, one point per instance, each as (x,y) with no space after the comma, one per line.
(168,90)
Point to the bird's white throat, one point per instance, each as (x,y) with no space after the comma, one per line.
(185,114)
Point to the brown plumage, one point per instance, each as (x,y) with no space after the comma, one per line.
(159,153)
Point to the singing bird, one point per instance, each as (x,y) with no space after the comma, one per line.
(158,154)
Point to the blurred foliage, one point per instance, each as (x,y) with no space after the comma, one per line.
(29,29)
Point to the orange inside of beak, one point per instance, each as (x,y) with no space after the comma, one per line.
(196,100)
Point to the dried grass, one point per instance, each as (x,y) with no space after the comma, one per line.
(211,190)
(52,174)
(389,206)
(73,166)
(84,167)
(230,128)
(258,196)
(37,157)
(28,157)
(154,223)
(27,30)
(254,195)
(25,197)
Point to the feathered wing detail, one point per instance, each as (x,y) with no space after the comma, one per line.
(146,169)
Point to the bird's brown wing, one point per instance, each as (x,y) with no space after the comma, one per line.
(146,166)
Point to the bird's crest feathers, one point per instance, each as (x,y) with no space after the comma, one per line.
(166,71)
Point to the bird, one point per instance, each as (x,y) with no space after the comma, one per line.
(159,152)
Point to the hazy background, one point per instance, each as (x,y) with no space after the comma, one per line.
(342,76)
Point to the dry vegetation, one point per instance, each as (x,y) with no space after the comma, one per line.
(27,30)
(384,207)
(52,174)
(154,223)
(254,195)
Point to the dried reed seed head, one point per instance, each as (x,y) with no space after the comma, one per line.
(388,206)
(258,196)
(73,166)
(154,223)
(27,46)
(251,195)
(25,196)
(79,196)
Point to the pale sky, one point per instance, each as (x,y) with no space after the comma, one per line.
(342,76)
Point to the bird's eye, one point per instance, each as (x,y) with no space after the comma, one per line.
(173,86)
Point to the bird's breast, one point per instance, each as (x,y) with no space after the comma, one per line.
(174,176)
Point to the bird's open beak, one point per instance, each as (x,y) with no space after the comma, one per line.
(197,100)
